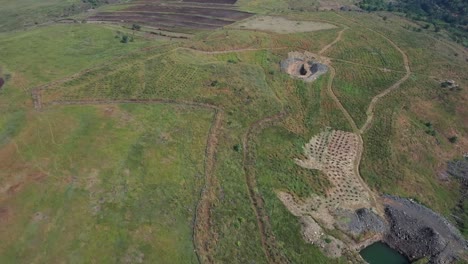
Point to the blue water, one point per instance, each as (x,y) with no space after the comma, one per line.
(379,253)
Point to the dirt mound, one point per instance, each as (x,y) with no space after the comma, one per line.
(281,25)
(304,66)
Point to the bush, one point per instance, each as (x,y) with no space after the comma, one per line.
(136,27)
(237,147)
(453,139)
(124,39)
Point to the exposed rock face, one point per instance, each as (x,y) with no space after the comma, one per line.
(411,236)
(417,232)
(360,222)
(304,66)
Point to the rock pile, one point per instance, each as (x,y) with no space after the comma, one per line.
(417,232)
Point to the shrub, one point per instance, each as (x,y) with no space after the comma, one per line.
(136,27)
(124,39)
(237,147)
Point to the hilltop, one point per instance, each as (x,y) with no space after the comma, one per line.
(225,131)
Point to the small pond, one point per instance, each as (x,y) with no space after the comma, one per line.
(379,253)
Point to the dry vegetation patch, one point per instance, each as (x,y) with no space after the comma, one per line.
(282,25)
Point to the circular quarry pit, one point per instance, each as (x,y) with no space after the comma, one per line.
(303,66)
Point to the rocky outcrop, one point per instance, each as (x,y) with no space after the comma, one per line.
(305,66)
(417,232)
(360,222)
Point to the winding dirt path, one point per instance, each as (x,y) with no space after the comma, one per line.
(231,50)
(202,235)
(369,112)
(269,244)
(338,38)
(373,103)
(375,99)
(356,130)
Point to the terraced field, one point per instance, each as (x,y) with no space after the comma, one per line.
(175,15)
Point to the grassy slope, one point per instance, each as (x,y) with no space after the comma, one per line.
(400,157)
(249,89)
(104,184)
(48,53)
(356,85)
(249,86)
(15,14)
(63,201)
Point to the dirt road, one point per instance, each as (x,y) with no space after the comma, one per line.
(269,244)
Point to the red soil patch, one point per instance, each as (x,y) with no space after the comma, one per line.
(5,214)
(14,189)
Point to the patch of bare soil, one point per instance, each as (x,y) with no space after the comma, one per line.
(282,25)
(305,66)
(5,215)
(334,153)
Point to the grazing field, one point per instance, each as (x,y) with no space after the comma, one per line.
(132,198)
(173,15)
(17,14)
(69,49)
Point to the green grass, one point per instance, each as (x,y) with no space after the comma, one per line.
(10,125)
(355,86)
(368,48)
(122,183)
(17,14)
(69,49)
(400,157)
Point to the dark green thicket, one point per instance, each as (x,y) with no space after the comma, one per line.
(449,14)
